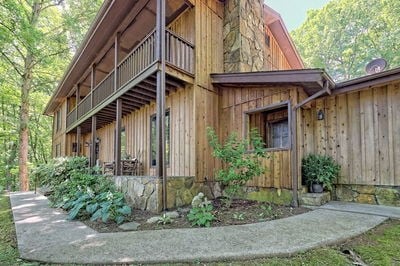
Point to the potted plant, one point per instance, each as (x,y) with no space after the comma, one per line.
(319,171)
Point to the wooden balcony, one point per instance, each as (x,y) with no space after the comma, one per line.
(136,78)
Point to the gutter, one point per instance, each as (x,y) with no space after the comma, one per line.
(294,155)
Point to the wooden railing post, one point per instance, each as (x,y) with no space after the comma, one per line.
(92,83)
(116,56)
(78,99)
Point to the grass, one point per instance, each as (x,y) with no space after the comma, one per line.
(8,251)
(379,246)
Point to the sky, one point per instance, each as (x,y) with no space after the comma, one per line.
(293,12)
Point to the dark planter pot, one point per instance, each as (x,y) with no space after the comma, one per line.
(316,188)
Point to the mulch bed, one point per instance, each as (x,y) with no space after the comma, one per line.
(240,212)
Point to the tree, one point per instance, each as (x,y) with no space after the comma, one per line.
(34,50)
(345,35)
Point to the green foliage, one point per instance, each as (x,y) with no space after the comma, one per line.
(239,165)
(165,219)
(381,246)
(320,169)
(239,216)
(343,44)
(8,252)
(202,215)
(77,189)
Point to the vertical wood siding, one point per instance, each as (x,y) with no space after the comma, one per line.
(361,130)
(137,130)
(275,59)
(209,59)
(234,102)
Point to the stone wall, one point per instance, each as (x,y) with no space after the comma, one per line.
(380,195)
(274,195)
(145,192)
(244,36)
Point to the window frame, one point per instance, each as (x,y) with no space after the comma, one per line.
(167,140)
(58,120)
(270,108)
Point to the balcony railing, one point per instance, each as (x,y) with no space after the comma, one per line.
(179,53)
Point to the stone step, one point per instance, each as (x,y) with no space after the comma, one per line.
(314,199)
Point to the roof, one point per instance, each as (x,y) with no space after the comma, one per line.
(368,81)
(312,80)
(275,23)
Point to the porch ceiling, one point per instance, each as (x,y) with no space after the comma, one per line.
(312,80)
(135,98)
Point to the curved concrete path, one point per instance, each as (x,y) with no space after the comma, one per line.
(45,235)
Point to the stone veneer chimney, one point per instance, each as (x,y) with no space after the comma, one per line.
(244,36)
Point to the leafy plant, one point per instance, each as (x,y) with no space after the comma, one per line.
(81,192)
(320,169)
(201,212)
(202,215)
(239,165)
(164,219)
(238,216)
(266,210)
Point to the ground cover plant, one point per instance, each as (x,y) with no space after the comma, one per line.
(8,252)
(81,191)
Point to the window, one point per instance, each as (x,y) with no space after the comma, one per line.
(267,40)
(58,150)
(153,136)
(273,124)
(58,120)
(124,154)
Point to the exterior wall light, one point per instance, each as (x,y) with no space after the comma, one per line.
(320,115)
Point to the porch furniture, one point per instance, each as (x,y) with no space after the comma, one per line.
(108,168)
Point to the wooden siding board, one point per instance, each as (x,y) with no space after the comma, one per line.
(355,137)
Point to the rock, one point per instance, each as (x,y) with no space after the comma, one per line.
(364,189)
(132,226)
(366,199)
(172,215)
(388,196)
(138,189)
(153,220)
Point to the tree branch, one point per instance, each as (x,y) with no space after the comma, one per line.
(12,63)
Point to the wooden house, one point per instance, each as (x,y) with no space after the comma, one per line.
(230,65)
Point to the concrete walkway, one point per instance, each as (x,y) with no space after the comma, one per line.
(45,235)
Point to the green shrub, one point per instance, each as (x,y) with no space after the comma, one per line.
(80,191)
(319,169)
(201,212)
(202,215)
(238,164)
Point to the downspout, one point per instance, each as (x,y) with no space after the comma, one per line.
(294,155)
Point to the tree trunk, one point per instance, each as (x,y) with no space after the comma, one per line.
(24,108)
(23,126)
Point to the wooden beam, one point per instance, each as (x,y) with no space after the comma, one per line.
(93,142)
(118,126)
(160,103)
(92,84)
(78,141)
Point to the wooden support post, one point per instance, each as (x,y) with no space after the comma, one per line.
(160,119)
(93,142)
(293,159)
(78,141)
(117,150)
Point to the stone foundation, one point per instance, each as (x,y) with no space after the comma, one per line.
(379,195)
(145,192)
(277,196)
